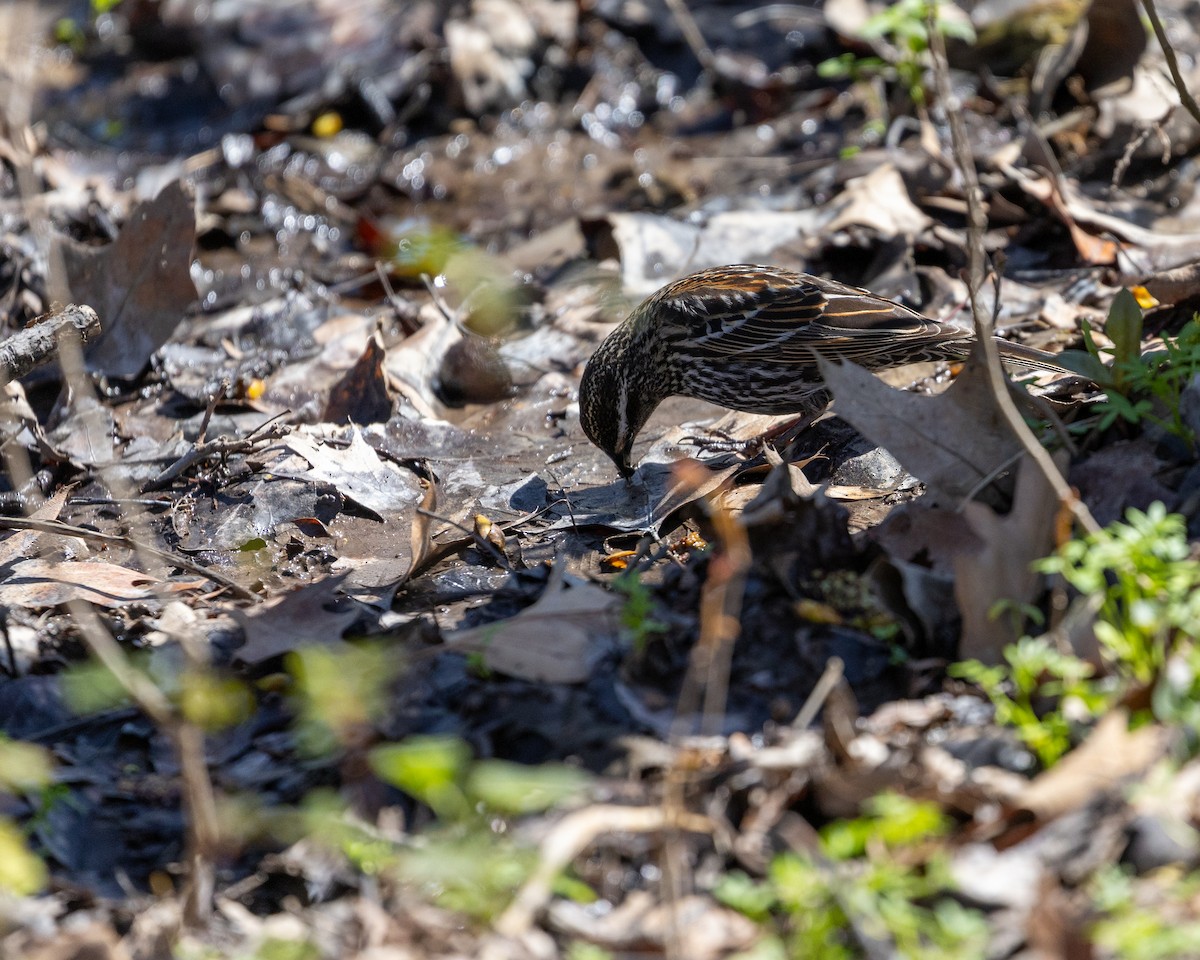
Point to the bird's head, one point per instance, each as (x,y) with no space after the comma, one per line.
(617,394)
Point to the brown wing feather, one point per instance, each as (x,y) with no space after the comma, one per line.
(738,311)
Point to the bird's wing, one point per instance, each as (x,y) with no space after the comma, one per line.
(742,311)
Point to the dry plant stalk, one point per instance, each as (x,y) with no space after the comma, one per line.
(199,800)
(185,737)
(1185,96)
(976,260)
(707,680)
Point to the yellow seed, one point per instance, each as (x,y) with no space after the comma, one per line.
(327,124)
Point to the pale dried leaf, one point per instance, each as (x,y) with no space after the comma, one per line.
(954,442)
(1001,567)
(656,249)
(879,200)
(552,641)
(356,471)
(38,583)
(20,543)
(1111,755)
(419,539)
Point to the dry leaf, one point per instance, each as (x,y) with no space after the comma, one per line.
(47,583)
(1001,566)
(880,202)
(140,284)
(550,642)
(20,544)
(954,442)
(655,248)
(296,619)
(356,471)
(1111,754)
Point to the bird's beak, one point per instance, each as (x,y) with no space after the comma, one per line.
(624,465)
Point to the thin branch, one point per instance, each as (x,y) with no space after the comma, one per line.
(30,348)
(976,259)
(692,35)
(199,801)
(1185,97)
(221,447)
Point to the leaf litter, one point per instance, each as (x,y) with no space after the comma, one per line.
(332,411)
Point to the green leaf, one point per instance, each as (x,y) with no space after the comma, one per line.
(1124,326)
(21,872)
(836,68)
(429,768)
(24,766)
(1086,365)
(516,788)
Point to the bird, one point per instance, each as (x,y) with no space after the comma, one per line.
(747,337)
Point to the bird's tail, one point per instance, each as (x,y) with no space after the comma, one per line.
(1022,356)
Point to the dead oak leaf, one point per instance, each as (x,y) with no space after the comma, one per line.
(357,471)
(954,442)
(1001,568)
(552,641)
(305,617)
(38,583)
(140,284)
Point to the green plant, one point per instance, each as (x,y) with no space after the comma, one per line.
(1146,584)
(70,32)
(900,30)
(24,768)
(1043,694)
(881,874)
(466,863)
(637,615)
(1139,387)
(578,950)
(21,871)
(338,692)
(204,695)
(1152,918)
(1175,700)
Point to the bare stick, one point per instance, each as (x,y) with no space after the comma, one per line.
(692,35)
(33,346)
(222,446)
(188,739)
(976,225)
(1185,97)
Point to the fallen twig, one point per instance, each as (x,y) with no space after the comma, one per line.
(1185,96)
(570,837)
(188,740)
(221,447)
(28,349)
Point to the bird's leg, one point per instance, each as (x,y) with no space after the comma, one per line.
(753,446)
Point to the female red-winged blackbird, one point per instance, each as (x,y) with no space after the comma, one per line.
(746,337)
